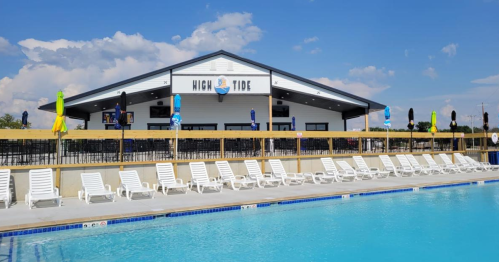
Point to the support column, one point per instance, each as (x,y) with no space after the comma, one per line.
(263,155)
(366,117)
(171,104)
(270,112)
(298,152)
(344,125)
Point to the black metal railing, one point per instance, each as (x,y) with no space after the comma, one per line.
(242,148)
(198,149)
(280,147)
(314,146)
(345,145)
(27,152)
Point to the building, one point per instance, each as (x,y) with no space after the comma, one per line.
(218,91)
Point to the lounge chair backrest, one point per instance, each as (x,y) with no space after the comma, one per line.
(387,162)
(165,173)
(130,179)
(277,167)
(329,165)
(41,181)
(4,181)
(199,172)
(361,164)
(414,162)
(460,158)
(471,160)
(224,170)
(446,159)
(344,165)
(403,161)
(253,168)
(430,160)
(92,181)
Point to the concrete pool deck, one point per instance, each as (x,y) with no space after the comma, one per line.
(19,216)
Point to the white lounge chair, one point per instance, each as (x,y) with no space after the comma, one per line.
(227,176)
(396,170)
(442,169)
(332,171)
(5,193)
(200,178)
(279,172)
(255,174)
(41,187)
(485,165)
(464,164)
(92,185)
(405,164)
(130,183)
(167,180)
(448,163)
(420,169)
(362,167)
(350,173)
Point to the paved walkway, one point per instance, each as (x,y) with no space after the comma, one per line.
(72,211)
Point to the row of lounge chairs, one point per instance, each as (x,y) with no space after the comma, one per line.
(41,180)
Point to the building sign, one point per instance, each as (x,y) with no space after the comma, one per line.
(187,84)
(109,117)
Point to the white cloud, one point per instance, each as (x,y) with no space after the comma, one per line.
(176,38)
(315,51)
(447,110)
(207,6)
(232,32)
(406,53)
(450,49)
(311,39)
(447,100)
(431,57)
(430,72)
(356,88)
(490,80)
(76,66)
(370,72)
(7,48)
(297,47)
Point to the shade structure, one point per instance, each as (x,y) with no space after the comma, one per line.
(177,119)
(486,121)
(117,113)
(25,120)
(411,120)
(293,124)
(433,128)
(387,123)
(253,120)
(122,120)
(59,124)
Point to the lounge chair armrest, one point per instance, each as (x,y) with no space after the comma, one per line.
(146,184)
(374,169)
(108,187)
(267,174)
(320,173)
(179,180)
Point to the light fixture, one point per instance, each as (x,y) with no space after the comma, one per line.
(156,97)
(130,103)
(306,102)
(152,93)
(329,107)
(103,108)
(313,99)
(287,94)
(338,104)
(282,97)
(95,105)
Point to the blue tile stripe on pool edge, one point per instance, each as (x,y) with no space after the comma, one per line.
(11,234)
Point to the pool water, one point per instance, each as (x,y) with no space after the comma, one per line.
(451,224)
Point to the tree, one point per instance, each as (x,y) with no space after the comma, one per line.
(423,126)
(79,127)
(9,122)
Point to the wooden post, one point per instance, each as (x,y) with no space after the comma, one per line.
(222,142)
(58,169)
(298,152)
(270,112)
(58,178)
(366,116)
(360,144)
(171,104)
(263,155)
(432,146)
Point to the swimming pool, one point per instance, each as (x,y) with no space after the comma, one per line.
(448,224)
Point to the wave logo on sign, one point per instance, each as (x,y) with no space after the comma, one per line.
(96,224)
(222,87)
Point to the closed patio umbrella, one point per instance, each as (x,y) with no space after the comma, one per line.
(453,126)
(433,128)
(25,120)
(122,120)
(177,119)
(253,120)
(387,124)
(117,113)
(411,126)
(59,124)
(293,124)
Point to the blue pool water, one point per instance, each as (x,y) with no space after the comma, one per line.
(451,224)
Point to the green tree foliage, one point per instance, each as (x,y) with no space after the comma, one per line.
(423,126)
(79,127)
(9,122)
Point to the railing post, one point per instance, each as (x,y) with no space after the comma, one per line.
(263,155)
(360,144)
(298,152)
(330,140)
(58,161)
(222,141)
(432,141)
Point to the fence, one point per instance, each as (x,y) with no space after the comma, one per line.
(29,149)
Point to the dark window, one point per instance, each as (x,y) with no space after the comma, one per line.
(159,112)
(111,127)
(280,126)
(316,127)
(280,111)
(245,126)
(199,126)
(158,126)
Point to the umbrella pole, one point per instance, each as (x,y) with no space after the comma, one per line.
(176,141)
(387,141)
(410,146)
(122,142)
(58,146)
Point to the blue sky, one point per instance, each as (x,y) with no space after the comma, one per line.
(429,55)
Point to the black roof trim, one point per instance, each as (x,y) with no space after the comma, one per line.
(371,104)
